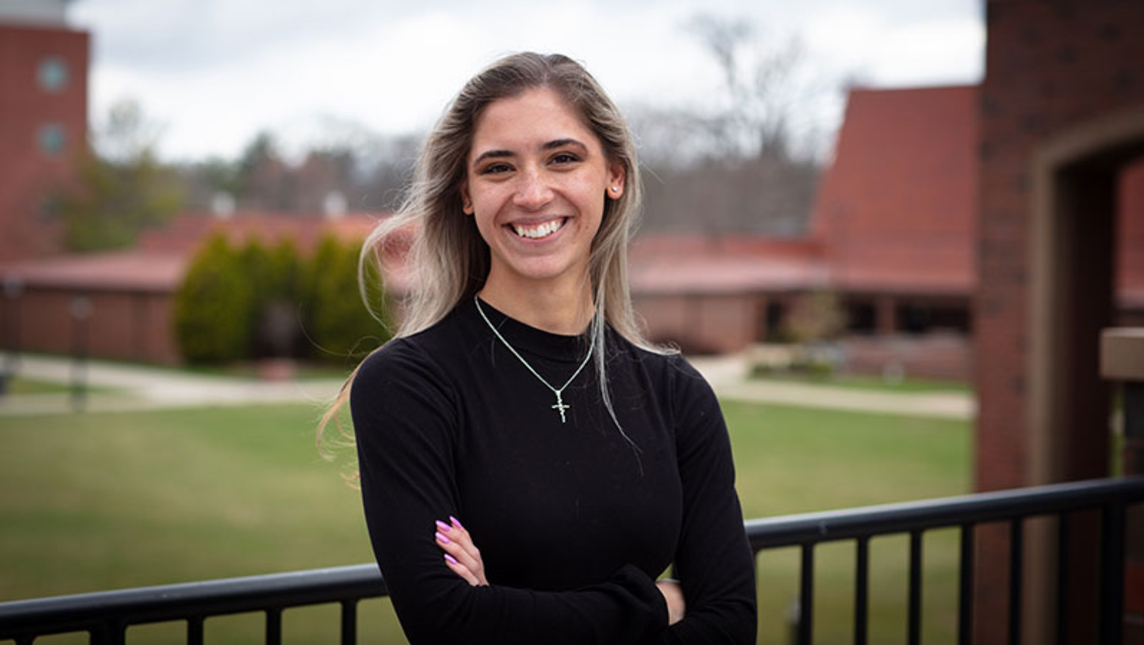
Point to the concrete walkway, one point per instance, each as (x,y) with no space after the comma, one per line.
(728,377)
(131,387)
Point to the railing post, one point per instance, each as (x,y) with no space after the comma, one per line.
(965,587)
(1016,571)
(1111,573)
(914,612)
(274,626)
(1062,578)
(1122,360)
(109,633)
(806,597)
(349,622)
(862,591)
(195,631)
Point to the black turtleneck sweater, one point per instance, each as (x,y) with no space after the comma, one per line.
(573,522)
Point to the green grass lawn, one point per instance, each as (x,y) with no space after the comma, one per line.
(793,460)
(101,501)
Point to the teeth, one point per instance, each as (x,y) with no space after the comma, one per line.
(537,232)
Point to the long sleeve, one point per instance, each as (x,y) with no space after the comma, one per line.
(407,418)
(713,561)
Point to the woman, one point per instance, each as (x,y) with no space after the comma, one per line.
(519,410)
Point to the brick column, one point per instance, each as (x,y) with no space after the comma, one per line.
(886,315)
(1122,360)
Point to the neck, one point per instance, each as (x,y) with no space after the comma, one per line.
(560,307)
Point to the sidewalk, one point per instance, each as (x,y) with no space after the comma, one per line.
(147,388)
(137,387)
(728,377)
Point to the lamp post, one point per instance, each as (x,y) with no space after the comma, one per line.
(13,289)
(81,310)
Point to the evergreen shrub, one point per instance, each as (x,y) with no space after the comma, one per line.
(256,301)
(212,306)
(338,324)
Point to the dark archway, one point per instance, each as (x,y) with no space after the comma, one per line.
(1071,281)
(1075,176)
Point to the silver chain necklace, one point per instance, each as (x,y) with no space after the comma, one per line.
(560,405)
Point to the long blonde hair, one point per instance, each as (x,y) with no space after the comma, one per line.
(449,260)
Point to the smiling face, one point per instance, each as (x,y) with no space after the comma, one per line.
(536,181)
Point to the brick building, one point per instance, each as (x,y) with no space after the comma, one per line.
(43,120)
(1062,122)
(893,232)
(128,296)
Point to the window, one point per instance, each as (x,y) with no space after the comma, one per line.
(52,74)
(925,318)
(51,138)
(861,317)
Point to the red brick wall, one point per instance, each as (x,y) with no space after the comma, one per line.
(122,325)
(942,355)
(27,173)
(701,323)
(1130,237)
(1050,67)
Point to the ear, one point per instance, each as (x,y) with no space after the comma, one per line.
(616,177)
(466,200)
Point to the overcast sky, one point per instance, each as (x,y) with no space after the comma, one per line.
(214,72)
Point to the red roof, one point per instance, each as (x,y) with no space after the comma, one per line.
(186,232)
(118,271)
(897,209)
(162,255)
(677,264)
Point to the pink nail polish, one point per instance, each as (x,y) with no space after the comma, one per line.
(456,522)
(451,559)
(441,538)
(443,526)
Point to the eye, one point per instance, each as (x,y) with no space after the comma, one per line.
(495,168)
(564,158)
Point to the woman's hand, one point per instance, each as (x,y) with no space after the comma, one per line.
(461,555)
(673,594)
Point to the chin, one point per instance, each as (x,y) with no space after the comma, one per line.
(541,269)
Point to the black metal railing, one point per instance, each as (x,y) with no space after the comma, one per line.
(1111,497)
(106,615)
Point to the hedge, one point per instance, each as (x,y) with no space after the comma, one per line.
(258,302)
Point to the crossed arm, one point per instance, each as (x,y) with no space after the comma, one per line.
(464,559)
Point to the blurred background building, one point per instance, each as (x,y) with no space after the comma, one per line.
(890,231)
(43,121)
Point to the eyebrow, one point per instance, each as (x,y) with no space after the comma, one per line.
(555,143)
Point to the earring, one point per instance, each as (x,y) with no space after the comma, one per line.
(616,189)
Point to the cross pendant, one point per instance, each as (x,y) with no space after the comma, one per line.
(560,407)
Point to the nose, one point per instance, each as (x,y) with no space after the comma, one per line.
(532,190)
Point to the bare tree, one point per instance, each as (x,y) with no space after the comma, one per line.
(765,85)
(744,165)
(121,186)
